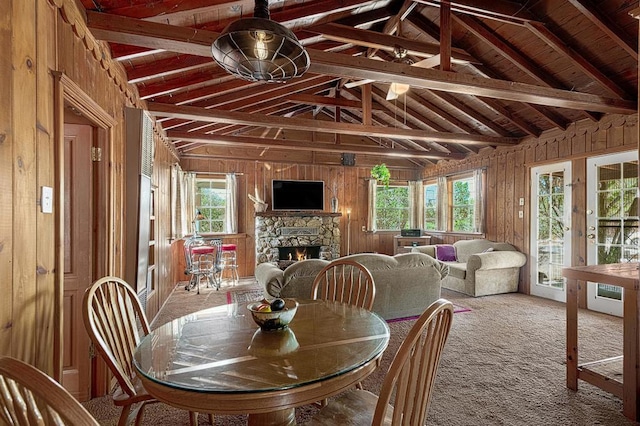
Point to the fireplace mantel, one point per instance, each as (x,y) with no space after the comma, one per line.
(297,214)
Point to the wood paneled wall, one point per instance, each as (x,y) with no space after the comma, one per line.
(350,184)
(508,178)
(507,181)
(38,37)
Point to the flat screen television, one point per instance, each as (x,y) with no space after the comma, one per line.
(297,195)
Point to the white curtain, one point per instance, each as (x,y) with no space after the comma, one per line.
(175,212)
(187,183)
(443,204)
(479,206)
(416,204)
(231,208)
(371,216)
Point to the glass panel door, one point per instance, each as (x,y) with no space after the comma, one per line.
(550,229)
(612,222)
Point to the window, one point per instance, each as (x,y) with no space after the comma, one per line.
(431,207)
(454,203)
(392,208)
(210,201)
(463,205)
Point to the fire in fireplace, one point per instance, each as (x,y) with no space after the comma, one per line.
(290,255)
(299,253)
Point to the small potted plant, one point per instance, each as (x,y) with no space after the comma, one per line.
(381,173)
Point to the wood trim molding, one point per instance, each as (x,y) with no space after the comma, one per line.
(68,92)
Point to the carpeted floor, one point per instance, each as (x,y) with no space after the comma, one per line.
(504,364)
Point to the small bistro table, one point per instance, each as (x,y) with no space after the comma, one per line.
(218,361)
(625,275)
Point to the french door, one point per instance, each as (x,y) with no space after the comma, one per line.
(550,229)
(612,222)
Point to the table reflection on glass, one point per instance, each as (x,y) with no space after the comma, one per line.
(218,360)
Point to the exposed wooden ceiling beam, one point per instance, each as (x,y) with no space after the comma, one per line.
(386,42)
(630,45)
(516,121)
(363,68)
(470,112)
(185,40)
(255,94)
(293,145)
(327,101)
(578,60)
(510,53)
(167,67)
(499,10)
(219,116)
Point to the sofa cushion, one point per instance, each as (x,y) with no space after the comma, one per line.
(457,270)
(446,252)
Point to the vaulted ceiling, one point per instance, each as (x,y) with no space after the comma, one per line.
(507,70)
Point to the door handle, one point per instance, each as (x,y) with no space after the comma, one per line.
(591,236)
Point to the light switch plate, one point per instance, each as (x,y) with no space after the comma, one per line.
(46,200)
(520,214)
(522,201)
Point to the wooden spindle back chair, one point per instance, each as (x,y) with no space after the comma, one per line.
(408,385)
(345,281)
(116,322)
(30,397)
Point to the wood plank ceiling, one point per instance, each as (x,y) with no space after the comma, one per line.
(508,70)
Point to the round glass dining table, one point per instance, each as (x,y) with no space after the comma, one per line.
(219,361)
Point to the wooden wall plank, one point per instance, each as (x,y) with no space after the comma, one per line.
(6,179)
(45,256)
(25,179)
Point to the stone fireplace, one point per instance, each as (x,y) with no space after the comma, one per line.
(284,233)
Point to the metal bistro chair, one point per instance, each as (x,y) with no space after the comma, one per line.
(202,258)
(30,397)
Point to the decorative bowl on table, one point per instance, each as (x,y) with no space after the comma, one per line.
(274,315)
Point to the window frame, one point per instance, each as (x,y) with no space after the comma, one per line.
(445,220)
(426,185)
(452,207)
(407,209)
(205,209)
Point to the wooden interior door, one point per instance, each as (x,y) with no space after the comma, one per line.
(78,257)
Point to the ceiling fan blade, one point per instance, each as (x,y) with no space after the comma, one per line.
(352,84)
(428,62)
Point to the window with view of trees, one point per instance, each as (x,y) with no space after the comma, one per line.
(431,207)
(463,205)
(211,201)
(392,208)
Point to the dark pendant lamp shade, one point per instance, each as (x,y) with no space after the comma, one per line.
(258,49)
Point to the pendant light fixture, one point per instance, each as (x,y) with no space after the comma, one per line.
(259,49)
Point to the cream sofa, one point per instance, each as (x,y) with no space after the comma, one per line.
(406,284)
(482,267)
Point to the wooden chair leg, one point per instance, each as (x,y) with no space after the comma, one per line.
(124,415)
